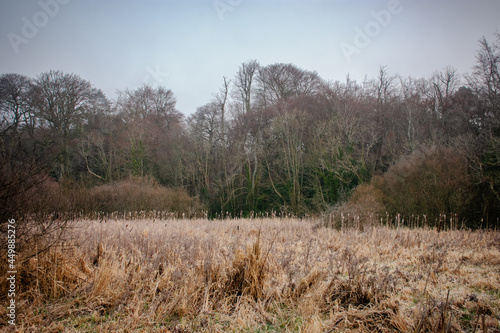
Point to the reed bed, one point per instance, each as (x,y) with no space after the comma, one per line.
(260,275)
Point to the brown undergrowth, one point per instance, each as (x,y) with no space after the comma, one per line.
(265,275)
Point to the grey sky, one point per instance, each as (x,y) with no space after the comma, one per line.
(188,46)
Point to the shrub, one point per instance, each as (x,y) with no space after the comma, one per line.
(138,194)
(28,194)
(35,207)
(429,182)
(48,199)
(433,182)
(363,208)
(368,198)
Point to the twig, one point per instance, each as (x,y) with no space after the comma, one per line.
(307,252)
(336,323)
(448,327)
(443,312)
(271,246)
(477,321)
(55,272)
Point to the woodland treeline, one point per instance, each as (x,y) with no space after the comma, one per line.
(272,138)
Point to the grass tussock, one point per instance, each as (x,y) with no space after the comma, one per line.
(282,275)
(246,278)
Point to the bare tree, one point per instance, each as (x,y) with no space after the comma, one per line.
(152,120)
(445,84)
(221,98)
(383,91)
(243,83)
(281,81)
(289,130)
(62,102)
(204,129)
(16,116)
(157,104)
(414,119)
(15,110)
(20,166)
(485,81)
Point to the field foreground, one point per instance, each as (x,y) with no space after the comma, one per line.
(261,275)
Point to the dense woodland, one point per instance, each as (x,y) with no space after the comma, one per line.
(274,138)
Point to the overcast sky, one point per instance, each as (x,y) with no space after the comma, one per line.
(188,46)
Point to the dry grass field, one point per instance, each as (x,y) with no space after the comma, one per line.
(260,275)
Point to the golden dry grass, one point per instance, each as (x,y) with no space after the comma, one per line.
(261,275)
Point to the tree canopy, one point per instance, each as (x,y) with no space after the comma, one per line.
(273,138)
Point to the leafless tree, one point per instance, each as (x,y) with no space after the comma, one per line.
(148,102)
(281,81)
(16,116)
(485,81)
(382,94)
(244,84)
(62,102)
(15,109)
(445,84)
(152,120)
(20,167)
(204,129)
